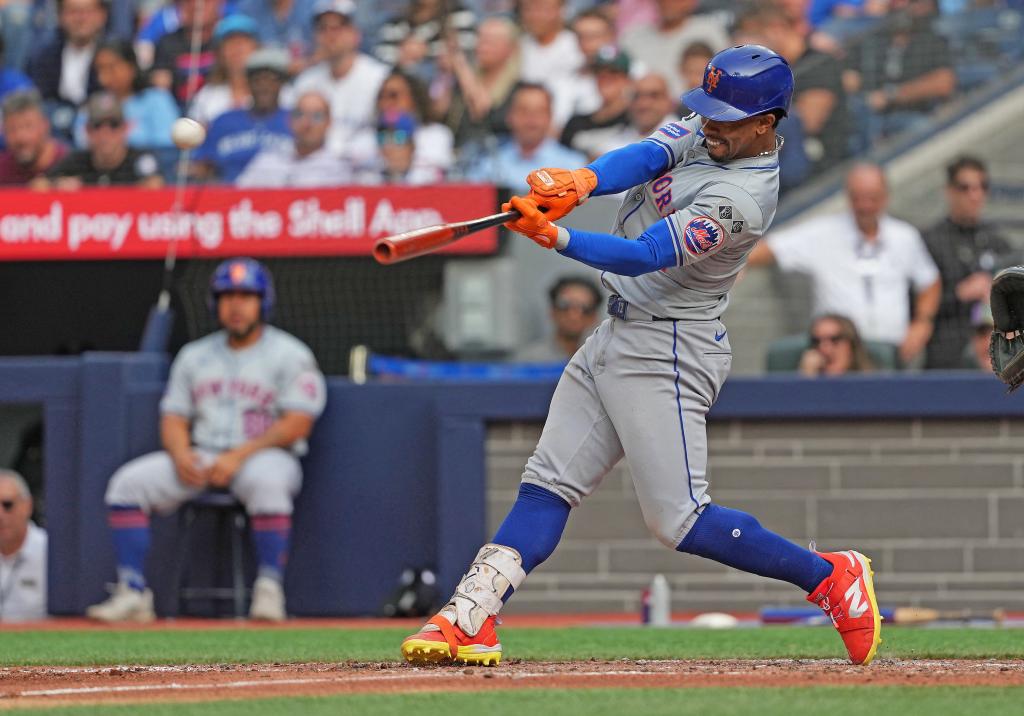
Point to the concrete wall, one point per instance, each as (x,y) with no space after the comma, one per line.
(938,505)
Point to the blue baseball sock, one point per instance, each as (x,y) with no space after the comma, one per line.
(271,535)
(738,540)
(533,526)
(129,526)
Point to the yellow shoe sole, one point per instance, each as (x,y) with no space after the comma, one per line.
(868,574)
(424,651)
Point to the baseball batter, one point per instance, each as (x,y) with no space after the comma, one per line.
(237,409)
(699,194)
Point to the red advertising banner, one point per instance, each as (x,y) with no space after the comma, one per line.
(129,223)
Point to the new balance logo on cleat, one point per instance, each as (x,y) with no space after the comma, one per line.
(858,605)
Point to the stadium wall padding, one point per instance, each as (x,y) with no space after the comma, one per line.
(395,473)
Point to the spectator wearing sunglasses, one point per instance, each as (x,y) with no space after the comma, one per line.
(403,94)
(108,160)
(307,162)
(397,161)
(574,303)
(22,553)
(836,348)
(967,251)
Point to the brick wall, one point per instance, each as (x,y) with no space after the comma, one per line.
(938,506)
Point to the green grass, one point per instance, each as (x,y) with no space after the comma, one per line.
(834,701)
(300,645)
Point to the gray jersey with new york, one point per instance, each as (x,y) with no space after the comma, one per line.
(231,396)
(715,213)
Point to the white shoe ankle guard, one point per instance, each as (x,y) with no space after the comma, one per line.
(478,596)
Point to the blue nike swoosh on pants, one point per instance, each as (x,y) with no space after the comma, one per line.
(720,336)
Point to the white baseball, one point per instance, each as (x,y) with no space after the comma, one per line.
(187,133)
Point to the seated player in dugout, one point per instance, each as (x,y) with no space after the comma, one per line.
(699,193)
(237,410)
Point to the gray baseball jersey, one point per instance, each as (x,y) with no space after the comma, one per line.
(231,396)
(717,212)
(641,386)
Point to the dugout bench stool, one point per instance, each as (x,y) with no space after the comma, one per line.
(230,518)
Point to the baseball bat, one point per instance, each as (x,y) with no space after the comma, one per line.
(401,247)
(893,615)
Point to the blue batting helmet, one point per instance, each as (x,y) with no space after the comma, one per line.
(242,274)
(740,82)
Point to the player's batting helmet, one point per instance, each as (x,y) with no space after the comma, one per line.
(242,274)
(740,82)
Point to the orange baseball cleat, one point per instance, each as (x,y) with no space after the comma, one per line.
(848,597)
(440,641)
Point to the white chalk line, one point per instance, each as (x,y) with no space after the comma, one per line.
(175,686)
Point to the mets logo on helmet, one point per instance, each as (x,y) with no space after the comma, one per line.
(711,78)
(702,234)
(238,272)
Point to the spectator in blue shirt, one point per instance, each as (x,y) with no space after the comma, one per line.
(235,137)
(287,24)
(529,145)
(149,111)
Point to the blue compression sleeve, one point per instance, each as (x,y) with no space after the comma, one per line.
(652,250)
(624,168)
(738,540)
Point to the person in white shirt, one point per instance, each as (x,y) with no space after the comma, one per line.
(22,553)
(307,162)
(661,44)
(348,78)
(550,54)
(864,264)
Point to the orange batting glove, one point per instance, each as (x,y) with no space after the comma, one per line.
(559,191)
(532,222)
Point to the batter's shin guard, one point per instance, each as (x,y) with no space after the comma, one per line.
(495,569)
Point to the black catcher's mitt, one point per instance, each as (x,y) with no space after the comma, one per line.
(1006,346)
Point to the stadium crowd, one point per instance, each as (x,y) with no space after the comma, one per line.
(423,91)
(332,92)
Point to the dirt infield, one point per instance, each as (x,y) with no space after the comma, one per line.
(49,686)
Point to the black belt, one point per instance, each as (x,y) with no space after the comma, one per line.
(618,307)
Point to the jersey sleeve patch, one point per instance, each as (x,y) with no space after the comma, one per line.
(701,235)
(674,130)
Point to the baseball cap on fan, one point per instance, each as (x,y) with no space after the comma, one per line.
(274,59)
(103,106)
(236,24)
(344,8)
(611,58)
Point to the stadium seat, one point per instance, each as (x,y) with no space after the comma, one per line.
(230,517)
(784,354)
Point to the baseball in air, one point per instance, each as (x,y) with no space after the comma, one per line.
(187,133)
